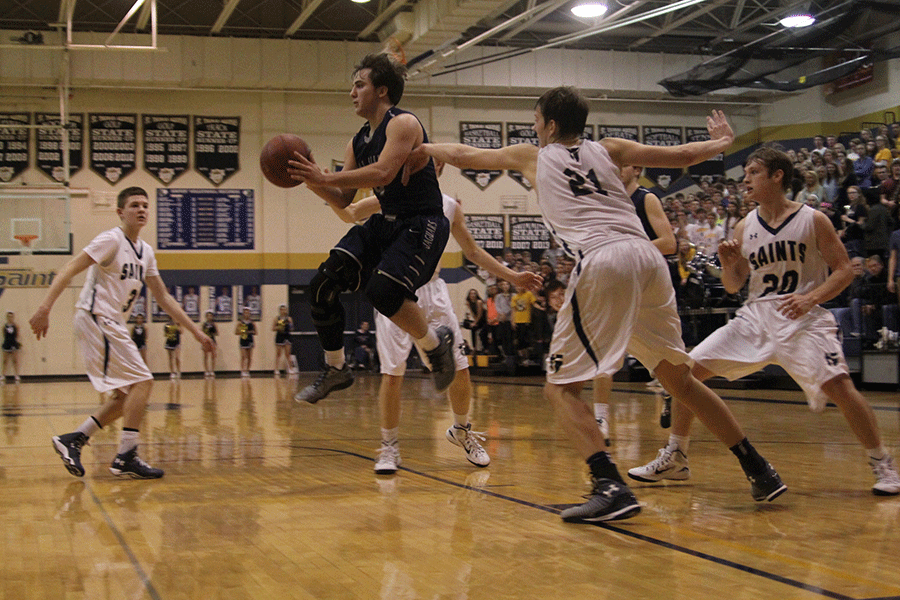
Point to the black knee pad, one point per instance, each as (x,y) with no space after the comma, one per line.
(385,294)
(339,273)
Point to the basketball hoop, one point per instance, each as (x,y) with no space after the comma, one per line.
(25,239)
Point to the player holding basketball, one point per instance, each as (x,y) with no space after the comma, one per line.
(119,263)
(620,295)
(393,253)
(394,344)
(787,250)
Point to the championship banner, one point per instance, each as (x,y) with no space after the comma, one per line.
(217,143)
(13,145)
(708,168)
(663,178)
(520,133)
(165,146)
(487,231)
(625,132)
(588,133)
(481,135)
(49,145)
(528,232)
(113,145)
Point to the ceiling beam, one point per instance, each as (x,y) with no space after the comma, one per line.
(736,15)
(144,16)
(304,16)
(379,19)
(66,8)
(226,13)
(546,9)
(679,22)
(774,14)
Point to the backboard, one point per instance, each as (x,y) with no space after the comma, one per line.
(35,221)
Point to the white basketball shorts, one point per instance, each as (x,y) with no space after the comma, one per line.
(619,299)
(808,348)
(111,358)
(394,344)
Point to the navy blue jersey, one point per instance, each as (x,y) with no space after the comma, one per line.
(421,196)
(638,198)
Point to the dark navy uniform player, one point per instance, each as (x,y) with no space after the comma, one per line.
(394,252)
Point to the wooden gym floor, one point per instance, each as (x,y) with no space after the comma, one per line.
(265,498)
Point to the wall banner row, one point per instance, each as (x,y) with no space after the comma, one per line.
(112,145)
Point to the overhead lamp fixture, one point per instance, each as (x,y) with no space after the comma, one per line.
(587,10)
(360,1)
(798,20)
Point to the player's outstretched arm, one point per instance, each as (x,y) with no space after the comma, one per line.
(628,152)
(173,309)
(40,321)
(483,259)
(519,157)
(358,211)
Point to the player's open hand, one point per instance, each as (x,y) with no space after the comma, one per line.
(208,344)
(415,162)
(794,306)
(718,126)
(305,170)
(40,322)
(529,281)
(729,253)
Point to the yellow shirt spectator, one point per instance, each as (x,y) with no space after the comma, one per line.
(521,306)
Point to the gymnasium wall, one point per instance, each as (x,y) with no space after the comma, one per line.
(282,85)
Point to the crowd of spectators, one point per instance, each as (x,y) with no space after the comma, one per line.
(855,182)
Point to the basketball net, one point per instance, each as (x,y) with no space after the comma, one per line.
(394,48)
(25,239)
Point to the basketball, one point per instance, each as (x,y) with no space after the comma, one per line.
(274,157)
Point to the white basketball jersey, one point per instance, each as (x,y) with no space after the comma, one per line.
(115,281)
(784,260)
(450,207)
(582,199)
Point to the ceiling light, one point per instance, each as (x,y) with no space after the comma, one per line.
(587,10)
(798,20)
(360,1)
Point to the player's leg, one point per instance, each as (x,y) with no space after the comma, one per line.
(393,346)
(861,419)
(602,393)
(460,433)
(388,460)
(657,337)
(589,340)
(341,271)
(405,266)
(712,412)
(610,498)
(127,463)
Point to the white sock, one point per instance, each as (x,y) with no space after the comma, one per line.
(877,454)
(389,436)
(460,420)
(680,442)
(429,342)
(335,358)
(89,427)
(129,440)
(601,411)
